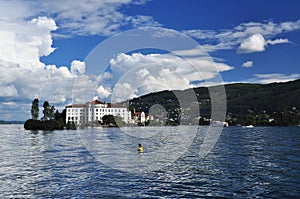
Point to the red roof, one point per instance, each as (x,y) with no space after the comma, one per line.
(76,106)
(110,105)
(95,102)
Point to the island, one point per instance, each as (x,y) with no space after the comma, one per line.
(50,121)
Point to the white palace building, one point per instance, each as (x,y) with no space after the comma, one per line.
(92,112)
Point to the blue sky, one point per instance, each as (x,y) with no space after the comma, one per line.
(213,16)
(45,44)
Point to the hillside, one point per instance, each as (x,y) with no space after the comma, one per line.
(257,104)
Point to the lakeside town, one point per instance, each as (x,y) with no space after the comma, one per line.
(247,105)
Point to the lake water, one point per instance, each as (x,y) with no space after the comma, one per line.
(259,162)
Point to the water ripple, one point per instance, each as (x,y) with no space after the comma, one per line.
(263,162)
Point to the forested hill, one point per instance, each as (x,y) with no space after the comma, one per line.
(257,104)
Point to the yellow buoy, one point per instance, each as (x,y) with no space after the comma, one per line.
(140,148)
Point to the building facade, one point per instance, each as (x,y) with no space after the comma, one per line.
(92,112)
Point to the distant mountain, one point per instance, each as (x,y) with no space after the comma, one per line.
(11,122)
(257,104)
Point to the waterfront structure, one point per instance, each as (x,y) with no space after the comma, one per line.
(139,117)
(92,112)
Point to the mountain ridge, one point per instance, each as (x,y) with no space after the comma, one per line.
(258,104)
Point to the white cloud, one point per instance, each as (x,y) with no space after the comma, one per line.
(102,92)
(233,38)
(255,43)
(23,76)
(274,77)
(144,21)
(84,17)
(124,91)
(20,10)
(201,34)
(25,42)
(141,74)
(277,41)
(90,17)
(77,67)
(248,64)
(106,75)
(8,91)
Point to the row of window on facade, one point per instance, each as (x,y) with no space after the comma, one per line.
(100,110)
(97,114)
(83,118)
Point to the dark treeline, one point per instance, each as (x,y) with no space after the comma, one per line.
(275,104)
(51,120)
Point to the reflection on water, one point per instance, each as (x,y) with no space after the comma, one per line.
(261,162)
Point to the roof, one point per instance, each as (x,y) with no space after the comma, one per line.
(76,106)
(95,102)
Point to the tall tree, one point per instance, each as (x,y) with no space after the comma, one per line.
(35,109)
(52,112)
(57,115)
(47,110)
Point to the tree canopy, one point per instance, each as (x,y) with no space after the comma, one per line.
(257,104)
(51,120)
(35,109)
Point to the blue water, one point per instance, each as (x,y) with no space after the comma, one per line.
(259,162)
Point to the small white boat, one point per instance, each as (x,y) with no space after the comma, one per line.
(249,126)
(219,123)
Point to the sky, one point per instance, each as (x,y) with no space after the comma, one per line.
(72,50)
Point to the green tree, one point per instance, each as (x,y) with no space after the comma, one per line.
(108,119)
(47,110)
(111,120)
(52,112)
(57,115)
(35,109)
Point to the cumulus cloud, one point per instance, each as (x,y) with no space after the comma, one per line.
(248,64)
(255,43)
(140,74)
(24,42)
(102,92)
(143,73)
(77,67)
(23,76)
(124,91)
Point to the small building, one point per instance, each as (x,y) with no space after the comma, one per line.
(139,117)
(92,112)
